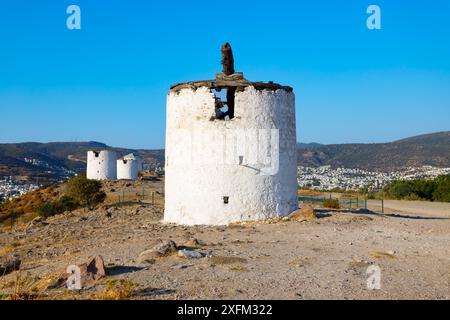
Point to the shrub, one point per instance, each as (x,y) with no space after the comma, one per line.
(331,204)
(49,209)
(399,189)
(434,190)
(442,191)
(84,191)
(60,206)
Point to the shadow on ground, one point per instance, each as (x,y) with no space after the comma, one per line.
(149,292)
(368,212)
(119,270)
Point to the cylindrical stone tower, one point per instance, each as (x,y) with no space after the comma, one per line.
(230,161)
(101,165)
(128,168)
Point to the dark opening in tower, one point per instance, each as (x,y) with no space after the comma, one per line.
(224,109)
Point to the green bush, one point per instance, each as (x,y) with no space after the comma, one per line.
(442,191)
(84,191)
(331,204)
(60,206)
(47,209)
(79,192)
(422,189)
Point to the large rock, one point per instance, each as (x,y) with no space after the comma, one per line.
(9,263)
(162,249)
(191,254)
(90,272)
(94,270)
(195,243)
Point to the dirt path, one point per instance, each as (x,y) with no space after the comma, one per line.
(426,208)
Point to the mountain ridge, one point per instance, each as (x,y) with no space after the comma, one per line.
(428,149)
(55,160)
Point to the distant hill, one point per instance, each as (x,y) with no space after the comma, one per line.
(430,149)
(311,145)
(57,160)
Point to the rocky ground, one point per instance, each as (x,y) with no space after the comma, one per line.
(322,257)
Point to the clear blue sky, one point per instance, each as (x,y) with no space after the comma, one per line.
(108,81)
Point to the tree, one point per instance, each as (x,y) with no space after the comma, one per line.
(442,192)
(84,191)
(399,189)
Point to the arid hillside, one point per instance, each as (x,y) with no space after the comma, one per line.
(431,149)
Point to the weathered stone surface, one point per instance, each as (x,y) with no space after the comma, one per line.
(232,77)
(90,272)
(191,254)
(195,243)
(95,269)
(161,249)
(239,84)
(227,59)
(9,263)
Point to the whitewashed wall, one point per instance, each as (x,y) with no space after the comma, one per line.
(203,165)
(101,165)
(127,169)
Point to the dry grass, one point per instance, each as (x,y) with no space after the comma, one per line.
(5,250)
(219,260)
(21,288)
(120,289)
(331,204)
(25,205)
(309,193)
(305,214)
(382,255)
(237,268)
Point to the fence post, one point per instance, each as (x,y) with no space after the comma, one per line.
(365,204)
(357,202)
(350,203)
(382,205)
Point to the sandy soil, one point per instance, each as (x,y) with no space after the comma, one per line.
(435,209)
(326,258)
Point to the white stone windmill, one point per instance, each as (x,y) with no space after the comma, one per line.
(232,160)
